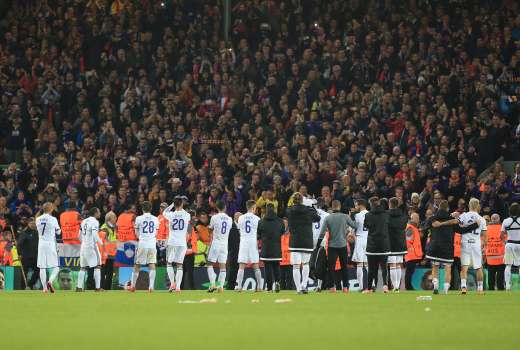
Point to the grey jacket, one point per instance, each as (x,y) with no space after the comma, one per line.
(336,223)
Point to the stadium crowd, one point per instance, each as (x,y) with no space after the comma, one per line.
(113,103)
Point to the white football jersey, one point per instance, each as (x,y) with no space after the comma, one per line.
(48,228)
(221,224)
(178,222)
(469,218)
(512,228)
(316,226)
(361,230)
(248,225)
(146,227)
(89,233)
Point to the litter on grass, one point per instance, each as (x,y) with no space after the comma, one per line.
(202,301)
(427,309)
(227,302)
(255,301)
(424,298)
(283,301)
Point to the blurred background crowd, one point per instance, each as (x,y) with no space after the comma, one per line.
(110,103)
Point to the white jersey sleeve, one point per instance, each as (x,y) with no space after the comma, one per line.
(316,226)
(361,230)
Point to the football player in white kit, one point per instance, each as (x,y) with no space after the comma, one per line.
(360,246)
(219,227)
(89,256)
(48,228)
(472,245)
(248,249)
(316,230)
(146,227)
(179,222)
(511,230)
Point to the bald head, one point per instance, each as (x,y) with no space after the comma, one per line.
(414,219)
(495,219)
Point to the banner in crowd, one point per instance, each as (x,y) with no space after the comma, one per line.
(125,253)
(7,277)
(11,278)
(68,255)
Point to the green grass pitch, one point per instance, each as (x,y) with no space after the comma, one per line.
(121,320)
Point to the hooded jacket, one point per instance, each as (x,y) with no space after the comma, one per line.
(300,219)
(396,231)
(270,231)
(378,241)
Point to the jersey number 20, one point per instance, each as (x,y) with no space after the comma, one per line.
(177,224)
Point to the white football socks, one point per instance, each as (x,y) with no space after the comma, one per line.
(240,277)
(178,277)
(151,276)
(480,286)
(399,273)
(222,278)
(393,277)
(97,278)
(297,277)
(359,276)
(446,288)
(305,275)
(258,277)
(507,277)
(135,276)
(54,274)
(212,276)
(463,283)
(435,283)
(81,279)
(43,278)
(171,274)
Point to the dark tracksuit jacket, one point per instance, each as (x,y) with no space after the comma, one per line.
(300,219)
(378,241)
(270,230)
(396,231)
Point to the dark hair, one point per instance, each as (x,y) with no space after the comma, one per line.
(220,205)
(374,202)
(361,202)
(177,202)
(336,205)
(383,202)
(514,209)
(146,207)
(269,208)
(92,211)
(444,205)
(393,203)
(250,203)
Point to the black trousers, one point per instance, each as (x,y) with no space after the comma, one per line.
(107,272)
(187,277)
(332,256)
(286,277)
(410,269)
(455,274)
(496,277)
(374,263)
(30,265)
(232,272)
(272,273)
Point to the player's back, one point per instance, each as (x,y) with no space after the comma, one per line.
(89,229)
(511,226)
(470,218)
(147,226)
(248,226)
(48,227)
(179,221)
(316,227)
(361,230)
(221,224)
